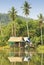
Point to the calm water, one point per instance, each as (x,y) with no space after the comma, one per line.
(32,57)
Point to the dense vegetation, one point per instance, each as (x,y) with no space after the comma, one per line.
(21,30)
(13,25)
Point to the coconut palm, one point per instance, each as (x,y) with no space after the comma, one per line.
(26,10)
(40,16)
(40,24)
(12,14)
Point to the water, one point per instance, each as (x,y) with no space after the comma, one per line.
(30,57)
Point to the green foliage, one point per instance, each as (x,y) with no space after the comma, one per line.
(26,8)
(12,13)
(18,25)
(34,30)
(40,49)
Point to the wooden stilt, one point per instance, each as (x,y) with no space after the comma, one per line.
(14,63)
(28,62)
(19,49)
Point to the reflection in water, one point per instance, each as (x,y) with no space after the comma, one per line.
(42,59)
(34,58)
(27,58)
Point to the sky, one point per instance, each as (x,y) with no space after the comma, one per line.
(37,7)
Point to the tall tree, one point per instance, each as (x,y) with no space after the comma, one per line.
(12,14)
(26,9)
(40,16)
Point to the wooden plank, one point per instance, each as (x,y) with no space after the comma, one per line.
(15,59)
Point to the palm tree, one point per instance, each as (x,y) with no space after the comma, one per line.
(26,9)
(40,16)
(40,24)
(12,14)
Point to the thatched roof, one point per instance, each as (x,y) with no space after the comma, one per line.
(18,39)
(15,39)
(15,59)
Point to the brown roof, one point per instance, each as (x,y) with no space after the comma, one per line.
(15,59)
(15,39)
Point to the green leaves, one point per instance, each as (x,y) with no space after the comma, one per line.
(12,13)
(26,8)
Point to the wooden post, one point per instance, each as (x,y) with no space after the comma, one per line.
(28,62)
(19,48)
(11,63)
(14,63)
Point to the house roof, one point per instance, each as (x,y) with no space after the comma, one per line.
(18,39)
(15,39)
(15,59)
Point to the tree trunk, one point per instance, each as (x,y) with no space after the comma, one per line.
(42,59)
(27,27)
(14,30)
(41,37)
